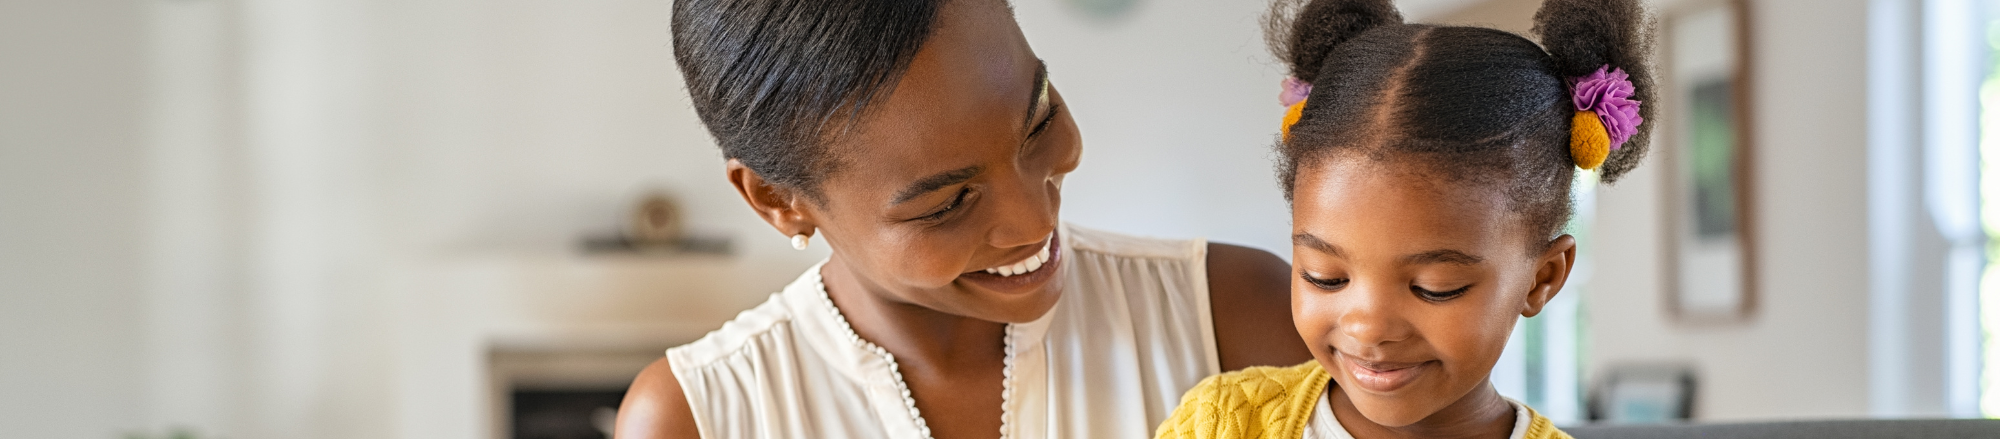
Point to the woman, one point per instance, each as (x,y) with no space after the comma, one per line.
(923,142)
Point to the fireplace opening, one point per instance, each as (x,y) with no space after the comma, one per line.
(561,393)
(565,414)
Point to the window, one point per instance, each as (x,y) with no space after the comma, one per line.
(1934,199)
(1989,187)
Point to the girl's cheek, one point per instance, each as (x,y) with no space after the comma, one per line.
(1471,335)
(1313,315)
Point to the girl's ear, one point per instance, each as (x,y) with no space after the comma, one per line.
(1551,272)
(782,207)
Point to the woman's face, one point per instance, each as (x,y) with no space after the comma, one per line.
(1406,287)
(957,171)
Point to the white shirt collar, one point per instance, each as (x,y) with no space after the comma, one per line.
(1325,426)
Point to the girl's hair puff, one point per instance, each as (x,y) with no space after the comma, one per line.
(1583,35)
(1468,105)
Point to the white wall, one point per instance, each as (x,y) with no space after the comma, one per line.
(71,96)
(314,219)
(1179,111)
(416,178)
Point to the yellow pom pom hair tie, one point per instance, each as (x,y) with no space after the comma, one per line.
(1606,116)
(1292,116)
(1589,142)
(1292,95)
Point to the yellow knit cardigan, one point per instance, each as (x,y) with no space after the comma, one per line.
(1269,403)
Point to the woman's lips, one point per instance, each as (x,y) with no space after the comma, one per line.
(1026,265)
(1021,283)
(1382,376)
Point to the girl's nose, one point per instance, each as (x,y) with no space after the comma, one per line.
(1369,318)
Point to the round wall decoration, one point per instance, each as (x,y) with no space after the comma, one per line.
(1104,10)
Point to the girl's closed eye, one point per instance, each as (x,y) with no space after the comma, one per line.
(1324,283)
(1439,295)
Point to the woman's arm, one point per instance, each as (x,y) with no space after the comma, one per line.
(1250,294)
(655,408)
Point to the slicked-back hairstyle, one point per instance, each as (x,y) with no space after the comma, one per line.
(776,80)
(1469,105)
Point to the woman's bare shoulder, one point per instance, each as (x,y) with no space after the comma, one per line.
(1250,297)
(655,407)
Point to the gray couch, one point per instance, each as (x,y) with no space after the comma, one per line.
(1914,429)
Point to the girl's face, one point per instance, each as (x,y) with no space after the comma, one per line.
(1407,287)
(957,171)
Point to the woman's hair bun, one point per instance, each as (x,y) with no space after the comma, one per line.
(1304,32)
(1585,35)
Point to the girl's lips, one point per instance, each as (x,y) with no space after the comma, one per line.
(1382,376)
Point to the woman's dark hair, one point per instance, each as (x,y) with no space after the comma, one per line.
(1471,105)
(776,80)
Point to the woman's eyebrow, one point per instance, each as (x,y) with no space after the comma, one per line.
(1445,256)
(935,182)
(1037,93)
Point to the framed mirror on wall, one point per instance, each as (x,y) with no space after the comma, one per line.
(1707,134)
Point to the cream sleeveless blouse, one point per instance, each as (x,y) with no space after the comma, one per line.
(1130,333)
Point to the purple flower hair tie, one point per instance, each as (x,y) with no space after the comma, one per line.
(1608,93)
(1294,92)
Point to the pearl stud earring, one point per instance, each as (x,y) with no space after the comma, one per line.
(800,241)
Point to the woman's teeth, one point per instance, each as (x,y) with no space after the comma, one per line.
(1026,266)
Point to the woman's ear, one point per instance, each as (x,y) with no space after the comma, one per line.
(1551,272)
(782,207)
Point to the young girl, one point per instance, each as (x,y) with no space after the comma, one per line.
(1429,170)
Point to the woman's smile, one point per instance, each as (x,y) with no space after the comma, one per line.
(1029,274)
(1026,265)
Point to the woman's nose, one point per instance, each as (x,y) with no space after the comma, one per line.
(1026,212)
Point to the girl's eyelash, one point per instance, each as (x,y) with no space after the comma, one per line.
(1439,296)
(1428,295)
(1324,284)
(955,201)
